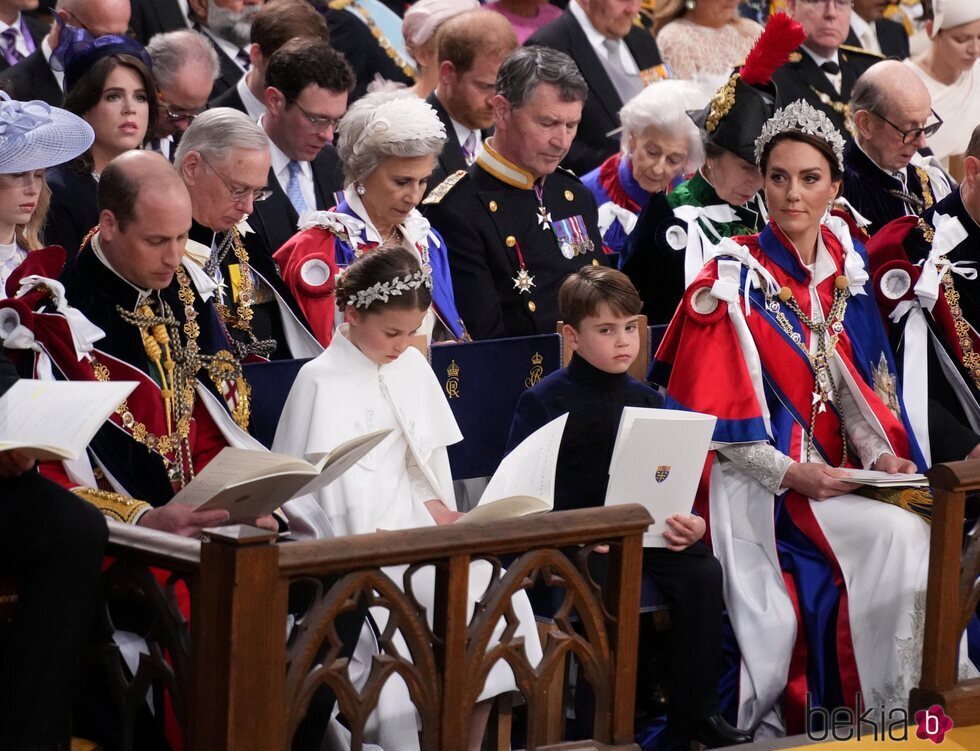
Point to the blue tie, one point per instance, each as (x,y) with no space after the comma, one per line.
(293,190)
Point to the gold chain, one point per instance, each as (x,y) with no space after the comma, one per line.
(825,388)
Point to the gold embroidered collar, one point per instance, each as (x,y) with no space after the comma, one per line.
(504,170)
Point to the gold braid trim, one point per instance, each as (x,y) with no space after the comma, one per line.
(721,103)
(382,40)
(914,500)
(927,199)
(841,108)
(114,505)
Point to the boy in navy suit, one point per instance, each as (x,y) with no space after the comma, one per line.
(600,307)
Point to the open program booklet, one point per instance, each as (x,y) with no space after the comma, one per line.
(657,462)
(57,419)
(524,483)
(249,483)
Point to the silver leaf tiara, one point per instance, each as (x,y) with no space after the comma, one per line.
(393,288)
(805,118)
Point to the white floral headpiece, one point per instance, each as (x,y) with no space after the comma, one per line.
(805,118)
(393,288)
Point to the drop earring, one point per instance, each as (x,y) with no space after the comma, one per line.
(690,4)
(360,189)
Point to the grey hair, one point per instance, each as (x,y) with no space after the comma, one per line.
(868,95)
(176,50)
(664,105)
(386,124)
(528,67)
(215,133)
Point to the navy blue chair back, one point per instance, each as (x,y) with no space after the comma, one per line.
(482,382)
(271,383)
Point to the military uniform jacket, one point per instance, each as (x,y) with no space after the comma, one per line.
(801,78)
(507,254)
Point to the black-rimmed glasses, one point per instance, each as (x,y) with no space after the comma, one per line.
(913,134)
(239,193)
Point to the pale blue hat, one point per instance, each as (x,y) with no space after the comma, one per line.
(34,135)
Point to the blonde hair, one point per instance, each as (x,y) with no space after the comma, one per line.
(30,236)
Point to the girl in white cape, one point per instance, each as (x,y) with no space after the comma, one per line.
(370,378)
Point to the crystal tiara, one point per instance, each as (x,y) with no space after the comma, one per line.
(392,288)
(802,117)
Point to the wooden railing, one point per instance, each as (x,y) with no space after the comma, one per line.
(236,682)
(951,599)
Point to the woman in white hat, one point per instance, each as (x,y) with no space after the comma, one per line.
(950,69)
(33,136)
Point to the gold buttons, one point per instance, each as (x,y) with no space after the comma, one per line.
(493,205)
(595,261)
(569,196)
(511,241)
(531,306)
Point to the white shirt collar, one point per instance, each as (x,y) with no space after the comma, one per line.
(859,24)
(597,39)
(821,60)
(462,133)
(280,162)
(59,75)
(14,25)
(253,106)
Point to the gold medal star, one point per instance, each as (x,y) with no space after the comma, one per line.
(523,281)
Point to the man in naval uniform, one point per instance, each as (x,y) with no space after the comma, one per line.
(823,70)
(884,175)
(515,224)
(927,284)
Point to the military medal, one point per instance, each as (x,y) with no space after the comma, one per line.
(573,237)
(544,216)
(523,281)
(567,249)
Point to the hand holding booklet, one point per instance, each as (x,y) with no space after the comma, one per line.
(57,419)
(524,483)
(249,483)
(877,479)
(657,462)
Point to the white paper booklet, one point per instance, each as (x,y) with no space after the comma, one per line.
(249,483)
(57,419)
(524,483)
(657,462)
(878,479)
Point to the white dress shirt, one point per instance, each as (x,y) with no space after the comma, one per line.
(280,168)
(253,106)
(866,33)
(835,80)
(597,40)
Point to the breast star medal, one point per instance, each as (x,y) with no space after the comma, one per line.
(544,218)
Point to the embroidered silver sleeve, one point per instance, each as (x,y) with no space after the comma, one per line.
(762,462)
(862,437)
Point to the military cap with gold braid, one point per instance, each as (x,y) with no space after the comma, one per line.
(736,113)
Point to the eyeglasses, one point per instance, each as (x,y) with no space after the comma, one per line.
(319,124)
(239,193)
(839,4)
(913,134)
(176,115)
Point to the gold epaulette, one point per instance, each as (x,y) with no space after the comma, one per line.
(861,51)
(339,4)
(439,192)
(114,505)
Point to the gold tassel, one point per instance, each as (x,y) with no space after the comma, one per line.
(916,500)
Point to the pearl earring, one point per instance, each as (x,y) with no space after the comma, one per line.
(691,4)
(360,189)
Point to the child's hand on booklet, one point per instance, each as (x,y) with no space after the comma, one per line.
(440,514)
(683,530)
(893,465)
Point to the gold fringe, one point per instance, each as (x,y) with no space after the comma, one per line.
(916,500)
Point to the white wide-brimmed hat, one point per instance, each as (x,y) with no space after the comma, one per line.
(34,135)
(948,14)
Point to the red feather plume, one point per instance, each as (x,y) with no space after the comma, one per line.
(781,36)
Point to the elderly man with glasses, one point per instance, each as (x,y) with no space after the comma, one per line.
(885,176)
(823,70)
(223,159)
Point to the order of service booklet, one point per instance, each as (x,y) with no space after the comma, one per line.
(524,483)
(57,419)
(876,479)
(657,462)
(249,483)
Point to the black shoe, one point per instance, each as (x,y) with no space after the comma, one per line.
(714,732)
